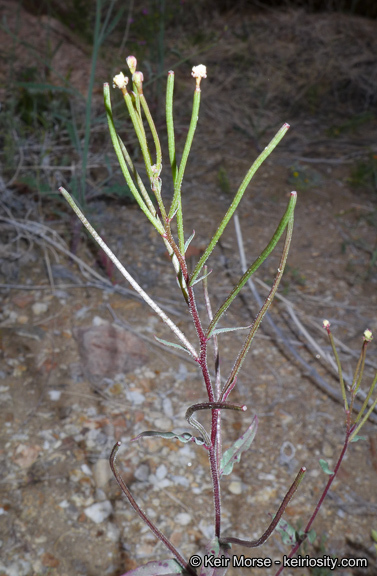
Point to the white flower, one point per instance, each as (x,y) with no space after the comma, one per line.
(120,81)
(368,336)
(199,71)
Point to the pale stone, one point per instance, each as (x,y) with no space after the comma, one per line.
(235,487)
(99,512)
(39,308)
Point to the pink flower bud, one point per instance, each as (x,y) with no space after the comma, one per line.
(132,63)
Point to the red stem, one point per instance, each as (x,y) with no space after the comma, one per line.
(320,501)
(202,361)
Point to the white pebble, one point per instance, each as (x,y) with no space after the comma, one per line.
(183,518)
(99,512)
(39,308)
(235,487)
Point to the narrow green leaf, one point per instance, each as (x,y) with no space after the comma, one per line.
(170,125)
(184,437)
(233,454)
(172,345)
(374,535)
(177,200)
(188,241)
(267,303)
(201,278)
(255,265)
(325,467)
(222,330)
(261,158)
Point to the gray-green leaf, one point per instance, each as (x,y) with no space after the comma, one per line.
(172,345)
(325,467)
(221,330)
(233,454)
(185,437)
(356,438)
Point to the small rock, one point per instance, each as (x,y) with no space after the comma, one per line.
(26,455)
(107,349)
(112,532)
(265,495)
(142,473)
(183,518)
(167,407)
(327,450)
(39,308)
(163,424)
(235,487)
(49,560)
(135,397)
(18,568)
(161,472)
(102,472)
(99,511)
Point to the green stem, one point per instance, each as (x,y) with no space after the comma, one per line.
(176,205)
(153,130)
(355,432)
(170,125)
(140,132)
(139,181)
(118,150)
(261,158)
(366,400)
(340,372)
(241,356)
(266,252)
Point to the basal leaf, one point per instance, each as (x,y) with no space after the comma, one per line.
(185,437)
(215,550)
(233,454)
(325,467)
(158,568)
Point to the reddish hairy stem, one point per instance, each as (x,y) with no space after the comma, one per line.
(275,521)
(142,514)
(202,361)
